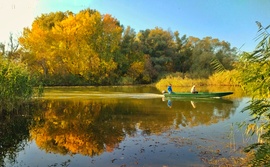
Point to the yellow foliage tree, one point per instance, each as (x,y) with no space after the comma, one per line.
(80,44)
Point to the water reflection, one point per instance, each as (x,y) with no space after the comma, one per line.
(91,127)
(193,104)
(169,103)
(201,111)
(14,134)
(94,127)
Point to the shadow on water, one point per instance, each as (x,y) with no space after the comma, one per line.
(124,129)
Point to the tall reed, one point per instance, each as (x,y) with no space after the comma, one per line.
(225,78)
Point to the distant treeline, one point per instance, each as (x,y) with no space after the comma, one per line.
(89,48)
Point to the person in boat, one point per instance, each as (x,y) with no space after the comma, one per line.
(170,88)
(193,89)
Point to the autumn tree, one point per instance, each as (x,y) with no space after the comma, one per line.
(60,46)
(37,43)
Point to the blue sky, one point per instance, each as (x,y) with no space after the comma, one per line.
(229,20)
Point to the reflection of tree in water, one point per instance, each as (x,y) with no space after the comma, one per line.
(205,112)
(75,127)
(13,134)
(90,127)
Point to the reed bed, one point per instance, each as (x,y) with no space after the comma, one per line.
(225,78)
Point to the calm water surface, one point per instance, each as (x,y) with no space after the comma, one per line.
(122,126)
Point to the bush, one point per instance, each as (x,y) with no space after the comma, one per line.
(16,85)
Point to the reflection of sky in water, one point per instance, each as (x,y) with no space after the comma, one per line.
(173,146)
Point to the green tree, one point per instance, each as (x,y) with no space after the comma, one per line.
(182,56)
(130,50)
(159,45)
(207,49)
(130,55)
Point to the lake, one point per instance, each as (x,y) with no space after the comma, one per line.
(124,126)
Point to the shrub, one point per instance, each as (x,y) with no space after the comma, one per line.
(16,85)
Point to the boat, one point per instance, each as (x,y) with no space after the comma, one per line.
(197,95)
